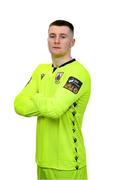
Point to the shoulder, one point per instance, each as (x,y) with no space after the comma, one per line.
(80,70)
(81,67)
(83,75)
(40,68)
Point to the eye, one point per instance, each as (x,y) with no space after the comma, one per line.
(51,36)
(63,36)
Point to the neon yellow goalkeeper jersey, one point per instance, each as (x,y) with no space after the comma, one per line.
(58,97)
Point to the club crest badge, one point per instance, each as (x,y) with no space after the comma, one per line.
(58,77)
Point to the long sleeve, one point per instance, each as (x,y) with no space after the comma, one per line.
(23,104)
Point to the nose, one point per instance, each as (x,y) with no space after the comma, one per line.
(57,40)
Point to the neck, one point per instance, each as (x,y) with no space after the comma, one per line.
(57,61)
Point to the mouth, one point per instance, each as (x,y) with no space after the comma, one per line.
(56,48)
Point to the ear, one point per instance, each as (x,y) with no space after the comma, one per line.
(72,42)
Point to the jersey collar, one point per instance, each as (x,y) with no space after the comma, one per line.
(68,62)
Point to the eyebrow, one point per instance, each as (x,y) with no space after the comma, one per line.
(55,34)
(63,34)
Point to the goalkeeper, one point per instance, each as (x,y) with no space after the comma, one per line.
(57,94)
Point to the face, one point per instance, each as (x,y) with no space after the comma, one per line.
(60,40)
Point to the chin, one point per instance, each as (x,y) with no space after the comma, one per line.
(55,55)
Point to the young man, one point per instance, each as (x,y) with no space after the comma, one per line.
(58,94)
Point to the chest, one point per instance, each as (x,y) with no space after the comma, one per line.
(50,81)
